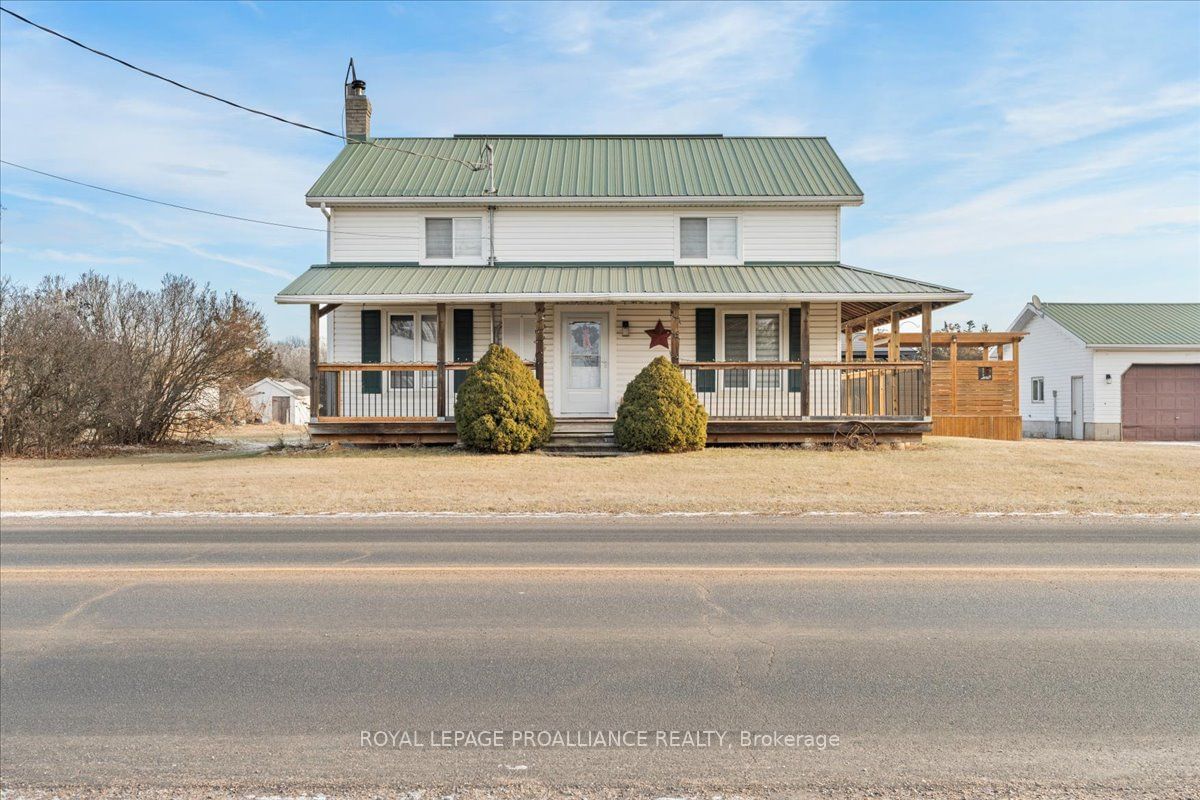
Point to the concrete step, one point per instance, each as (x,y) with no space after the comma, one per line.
(583,437)
(583,426)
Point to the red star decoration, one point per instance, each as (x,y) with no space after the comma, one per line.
(659,336)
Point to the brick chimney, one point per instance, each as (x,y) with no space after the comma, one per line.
(358,110)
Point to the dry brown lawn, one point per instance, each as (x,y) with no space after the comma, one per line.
(944,475)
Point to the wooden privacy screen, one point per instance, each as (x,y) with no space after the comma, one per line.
(966,401)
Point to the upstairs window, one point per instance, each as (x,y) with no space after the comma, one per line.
(1037,390)
(708,238)
(453,237)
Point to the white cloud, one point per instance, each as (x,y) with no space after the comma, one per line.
(1100,193)
(61,257)
(1077,117)
(142,231)
(611,68)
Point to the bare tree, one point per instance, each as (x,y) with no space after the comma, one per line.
(291,358)
(135,366)
(49,398)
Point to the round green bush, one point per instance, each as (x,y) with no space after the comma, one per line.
(660,412)
(501,407)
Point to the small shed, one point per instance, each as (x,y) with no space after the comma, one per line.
(280,400)
(975,382)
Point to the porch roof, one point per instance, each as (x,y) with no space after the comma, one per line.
(771,282)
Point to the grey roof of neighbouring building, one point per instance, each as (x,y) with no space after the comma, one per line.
(1151,324)
(595,167)
(632,282)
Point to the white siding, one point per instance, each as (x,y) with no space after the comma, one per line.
(561,234)
(790,234)
(387,235)
(1051,353)
(375,234)
(344,330)
(1106,397)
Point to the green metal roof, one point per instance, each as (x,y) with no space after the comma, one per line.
(595,167)
(329,282)
(1129,323)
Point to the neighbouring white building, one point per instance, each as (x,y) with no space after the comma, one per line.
(280,400)
(1116,371)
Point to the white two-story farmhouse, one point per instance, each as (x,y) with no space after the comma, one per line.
(589,256)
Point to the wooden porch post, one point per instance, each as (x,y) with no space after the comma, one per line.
(1016,381)
(314,357)
(674,333)
(953,373)
(539,344)
(869,384)
(497,326)
(894,356)
(894,339)
(805,358)
(927,358)
(847,344)
(441,360)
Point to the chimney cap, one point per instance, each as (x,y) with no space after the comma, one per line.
(355,87)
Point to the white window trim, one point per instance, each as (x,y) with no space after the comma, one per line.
(480,259)
(1041,380)
(737,258)
(416,312)
(751,340)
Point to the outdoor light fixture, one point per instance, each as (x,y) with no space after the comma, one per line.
(625,328)
(1107,378)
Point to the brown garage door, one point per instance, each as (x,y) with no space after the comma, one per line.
(1161,403)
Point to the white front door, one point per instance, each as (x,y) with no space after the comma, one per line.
(585,364)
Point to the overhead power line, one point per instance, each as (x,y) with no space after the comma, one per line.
(474,166)
(196,210)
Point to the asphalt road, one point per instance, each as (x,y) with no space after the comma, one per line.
(945,656)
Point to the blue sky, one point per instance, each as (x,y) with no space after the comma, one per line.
(1005,149)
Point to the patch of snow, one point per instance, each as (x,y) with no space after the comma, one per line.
(81,513)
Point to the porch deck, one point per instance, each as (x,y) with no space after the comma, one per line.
(747,402)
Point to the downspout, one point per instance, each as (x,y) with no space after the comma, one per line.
(491,210)
(490,190)
(328,233)
(1054,395)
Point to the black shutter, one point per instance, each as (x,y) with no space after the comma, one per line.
(464,345)
(795,376)
(706,348)
(372,346)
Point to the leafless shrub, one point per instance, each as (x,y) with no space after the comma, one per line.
(100,360)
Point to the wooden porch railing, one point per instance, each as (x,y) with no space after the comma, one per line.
(388,392)
(728,390)
(789,390)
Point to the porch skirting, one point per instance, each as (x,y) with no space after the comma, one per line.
(720,431)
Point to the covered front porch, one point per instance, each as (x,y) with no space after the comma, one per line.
(765,372)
